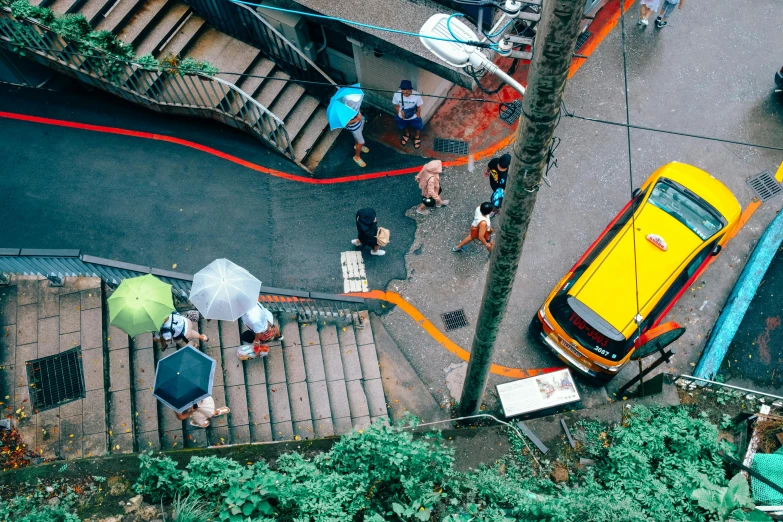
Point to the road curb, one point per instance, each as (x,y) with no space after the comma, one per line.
(739,300)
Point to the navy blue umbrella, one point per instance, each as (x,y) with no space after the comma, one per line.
(184,378)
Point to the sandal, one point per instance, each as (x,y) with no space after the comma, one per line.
(365,149)
(222,411)
(404,139)
(359,161)
(205,339)
(197,425)
(416,143)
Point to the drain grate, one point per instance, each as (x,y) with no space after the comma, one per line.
(451,146)
(454,320)
(765,186)
(511,112)
(582,39)
(56,379)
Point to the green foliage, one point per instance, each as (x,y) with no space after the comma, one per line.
(23,9)
(190,509)
(34,509)
(159,477)
(210,475)
(71,26)
(190,65)
(726,422)
(728,503)
(103,44)
(148,62)
(250,497)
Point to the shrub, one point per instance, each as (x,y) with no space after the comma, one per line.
(71,26)
(23,9)
(190,65)
(190,509)
(210,475)
(159,477)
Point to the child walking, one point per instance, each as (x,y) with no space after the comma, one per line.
(480,229)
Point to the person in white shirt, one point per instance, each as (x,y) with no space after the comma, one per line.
(407,106)
(261,325)
(180,329)
(480,229)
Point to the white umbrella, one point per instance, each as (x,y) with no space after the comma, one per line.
(223,290)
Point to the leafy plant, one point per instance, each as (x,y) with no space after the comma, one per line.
(159,477)
(250,497)
(729,503)
(71,26)
(23,9)
(725,421)
(147,61)
(190,65)
(210,475)
(190,508)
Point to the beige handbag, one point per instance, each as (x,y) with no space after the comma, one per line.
(383,236)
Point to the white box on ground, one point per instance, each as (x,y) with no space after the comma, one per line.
(538,393)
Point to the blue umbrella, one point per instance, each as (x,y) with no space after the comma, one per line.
(184,378)
(344,105)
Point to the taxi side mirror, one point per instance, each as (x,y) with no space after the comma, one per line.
(716,250)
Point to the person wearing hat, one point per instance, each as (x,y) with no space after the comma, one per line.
(407,107)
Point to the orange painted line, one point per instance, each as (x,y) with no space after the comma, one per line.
(448,344)
(754,204)
(595,40)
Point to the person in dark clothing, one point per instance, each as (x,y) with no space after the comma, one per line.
(497,171)
(367,228)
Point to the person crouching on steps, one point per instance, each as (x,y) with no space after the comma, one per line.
(480,229)
(203,411)
(261,323)
(367,231)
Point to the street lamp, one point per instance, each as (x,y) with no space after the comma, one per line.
(457,51)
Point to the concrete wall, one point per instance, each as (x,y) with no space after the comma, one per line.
(386,72)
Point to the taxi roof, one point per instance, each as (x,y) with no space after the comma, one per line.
(608,285)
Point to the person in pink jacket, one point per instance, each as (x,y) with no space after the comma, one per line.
(428,179)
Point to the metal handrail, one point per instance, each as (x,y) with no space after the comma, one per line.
(56,265)
(288,42)
(246,24)
(193,94)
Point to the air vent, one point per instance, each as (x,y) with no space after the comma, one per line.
(454,320)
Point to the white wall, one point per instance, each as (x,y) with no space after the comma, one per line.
(386,72)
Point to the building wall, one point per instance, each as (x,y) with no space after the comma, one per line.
(386,72)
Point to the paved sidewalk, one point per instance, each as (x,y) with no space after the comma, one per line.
(676,81)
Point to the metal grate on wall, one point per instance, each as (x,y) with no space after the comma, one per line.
(450,146)
(454,320)
(765,186)
(56,379)
(511,111)
(582,39)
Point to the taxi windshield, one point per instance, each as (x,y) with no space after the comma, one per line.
(687,208)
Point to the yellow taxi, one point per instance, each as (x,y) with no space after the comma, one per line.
(660,242)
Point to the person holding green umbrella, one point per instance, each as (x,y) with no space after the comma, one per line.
(179,328)
(140,304)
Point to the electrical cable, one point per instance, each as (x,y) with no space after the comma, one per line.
(564,109)
(472,72)
(484,45)
(638,319)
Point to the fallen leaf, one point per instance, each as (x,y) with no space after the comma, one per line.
(174,265)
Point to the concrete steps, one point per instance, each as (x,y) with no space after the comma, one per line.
(169,28)
(62,7)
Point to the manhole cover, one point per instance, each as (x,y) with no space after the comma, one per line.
(56,379)
(511,111)
(582,39)
(451,146)
(454,320)
(765,186)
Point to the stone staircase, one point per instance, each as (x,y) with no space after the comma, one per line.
(322,380)
(171,28)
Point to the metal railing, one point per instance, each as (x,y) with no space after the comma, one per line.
(244,23)
(56,265)
(194,94)
(689,382)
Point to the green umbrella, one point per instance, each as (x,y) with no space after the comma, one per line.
(140,304)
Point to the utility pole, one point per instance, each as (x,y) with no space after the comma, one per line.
(552,53)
